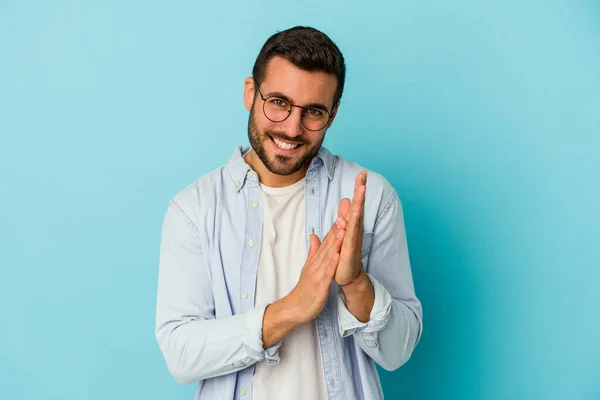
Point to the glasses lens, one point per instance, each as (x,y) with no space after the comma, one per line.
(314,119)
(276,109)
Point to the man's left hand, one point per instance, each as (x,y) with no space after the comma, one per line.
(352,215)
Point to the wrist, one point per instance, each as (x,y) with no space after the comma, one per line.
(362,284)
(277,322)
(360,297)
(294,314)
(354,279)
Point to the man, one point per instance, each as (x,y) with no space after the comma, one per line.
(272,284)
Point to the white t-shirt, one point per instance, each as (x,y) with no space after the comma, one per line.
(299,373)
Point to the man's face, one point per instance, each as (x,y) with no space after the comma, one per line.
(300,88)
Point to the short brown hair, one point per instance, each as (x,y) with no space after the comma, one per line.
(306,48)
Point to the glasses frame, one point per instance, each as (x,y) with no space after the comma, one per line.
(329,115)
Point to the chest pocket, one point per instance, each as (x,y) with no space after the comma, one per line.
(366,247)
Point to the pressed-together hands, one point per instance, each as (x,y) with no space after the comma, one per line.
(338,257)
(352,214)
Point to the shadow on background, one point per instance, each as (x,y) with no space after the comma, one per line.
(451,298)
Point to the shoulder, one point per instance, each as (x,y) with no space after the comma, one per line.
(201,194)
(379,189)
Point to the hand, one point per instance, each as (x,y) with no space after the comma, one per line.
(351,252)
(308,298)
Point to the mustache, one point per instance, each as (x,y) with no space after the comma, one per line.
(278,135)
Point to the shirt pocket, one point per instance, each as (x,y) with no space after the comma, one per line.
(366,247)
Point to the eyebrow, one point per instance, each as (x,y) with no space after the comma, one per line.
(286,98)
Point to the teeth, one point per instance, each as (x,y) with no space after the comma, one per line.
(285,146)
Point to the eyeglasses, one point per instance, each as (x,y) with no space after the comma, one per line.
(277,109)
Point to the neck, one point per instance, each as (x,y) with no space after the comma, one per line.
(267,177)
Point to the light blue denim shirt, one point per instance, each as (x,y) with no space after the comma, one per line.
(207,324)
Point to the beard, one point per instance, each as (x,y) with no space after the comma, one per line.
(280,164)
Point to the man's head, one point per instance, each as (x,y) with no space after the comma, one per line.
(296,67)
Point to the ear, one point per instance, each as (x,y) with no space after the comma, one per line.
(249,93)
(334,112)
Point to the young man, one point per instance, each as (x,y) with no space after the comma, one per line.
(273,284)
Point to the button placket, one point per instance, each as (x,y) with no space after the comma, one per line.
(324,320)
(253,236)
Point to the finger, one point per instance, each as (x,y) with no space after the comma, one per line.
(361,178)
(359,183)
(334,244)
(344,208)
(332,267)
(339,241)
(314,244)
(355,217)
(338,224)
(331,243)
(363,196)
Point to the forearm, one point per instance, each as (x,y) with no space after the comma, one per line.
(391,330)
(359,297)
(278,321)
(197,349)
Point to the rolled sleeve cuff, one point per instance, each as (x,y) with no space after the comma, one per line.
(378,318)
(253,339)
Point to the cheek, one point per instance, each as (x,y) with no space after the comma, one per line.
(317,138)
(259,124)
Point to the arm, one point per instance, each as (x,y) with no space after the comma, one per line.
(395,319)
(195,345)
(198,346)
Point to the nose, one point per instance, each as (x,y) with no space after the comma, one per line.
(292,125)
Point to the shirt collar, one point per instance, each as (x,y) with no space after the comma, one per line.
(238,169)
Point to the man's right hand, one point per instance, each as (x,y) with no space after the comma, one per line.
(309,296)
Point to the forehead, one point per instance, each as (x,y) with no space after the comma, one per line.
(302,87)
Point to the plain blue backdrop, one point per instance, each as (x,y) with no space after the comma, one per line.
(485,116)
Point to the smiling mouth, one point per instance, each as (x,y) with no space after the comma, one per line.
(285,145)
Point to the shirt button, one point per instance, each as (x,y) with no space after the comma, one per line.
(312,190)
(325,333)
(333,383)
(250,174)
(244,295)
(237,185)
(255,204)
(243,392)
(251,243)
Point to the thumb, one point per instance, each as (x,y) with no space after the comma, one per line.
(314,244)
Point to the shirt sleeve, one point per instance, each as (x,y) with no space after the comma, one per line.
(378,319)
(194,343)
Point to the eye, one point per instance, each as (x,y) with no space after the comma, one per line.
(314,112)
(279,103)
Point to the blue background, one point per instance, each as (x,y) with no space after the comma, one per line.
(483,115)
